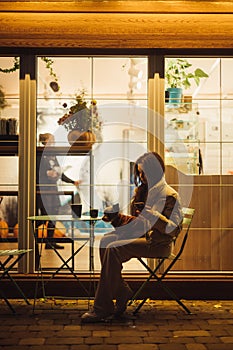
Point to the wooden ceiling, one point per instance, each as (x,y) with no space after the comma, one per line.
(116,24)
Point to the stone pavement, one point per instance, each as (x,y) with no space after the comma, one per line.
(160,325)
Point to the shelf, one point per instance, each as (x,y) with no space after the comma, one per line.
(181,137)
(9,145)
(74,150)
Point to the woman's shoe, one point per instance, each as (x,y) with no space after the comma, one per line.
(91,317)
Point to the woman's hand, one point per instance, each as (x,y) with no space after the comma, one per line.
(77,183)
(110,213)
(52,173)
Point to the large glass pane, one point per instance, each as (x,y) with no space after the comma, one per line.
(115,91)
(211,231)
(122,78)
(227,158)
(196,116)
(72,76)
(227,116)
(9,128)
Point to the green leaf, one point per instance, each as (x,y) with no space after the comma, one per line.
(197,80)
(200,73)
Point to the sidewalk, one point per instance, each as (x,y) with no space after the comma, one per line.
(160,325)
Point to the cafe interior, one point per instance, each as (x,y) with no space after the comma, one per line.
(114,65)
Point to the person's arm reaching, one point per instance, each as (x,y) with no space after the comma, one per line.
(68,180)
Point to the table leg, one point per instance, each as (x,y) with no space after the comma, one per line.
(92,241)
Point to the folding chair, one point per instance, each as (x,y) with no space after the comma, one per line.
(12,258)
(172,258)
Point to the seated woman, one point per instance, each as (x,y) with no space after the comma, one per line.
(148,233)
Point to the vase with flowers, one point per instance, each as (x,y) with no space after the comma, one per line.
(82,122)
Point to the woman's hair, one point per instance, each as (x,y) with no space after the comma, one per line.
(139,198)
(153,167)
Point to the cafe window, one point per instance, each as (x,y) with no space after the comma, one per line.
(201,120)
(199,124)
(198,145)
(9,129)
(114,89)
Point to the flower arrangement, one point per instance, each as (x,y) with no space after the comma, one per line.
(81,117)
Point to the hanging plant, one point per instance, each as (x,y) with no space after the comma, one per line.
(12,69)
(48,64)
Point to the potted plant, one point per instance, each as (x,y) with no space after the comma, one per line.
(178,77)
(82,122)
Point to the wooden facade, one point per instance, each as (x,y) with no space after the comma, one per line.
(143,25)
(116,24)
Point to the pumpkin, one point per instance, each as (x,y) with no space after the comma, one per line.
(58,234)
(4,228)
(16,230)
(42,230)
(73,136)
(88,138)
(83,139)
(60,230)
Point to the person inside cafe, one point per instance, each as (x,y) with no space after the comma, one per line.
(148,233)
(48,173)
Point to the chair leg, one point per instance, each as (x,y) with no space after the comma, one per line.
(162,285)
(152,273)
(7,273)
(169,292)
(174,297)
(19,289)
(64,263)
(134,297)
(139,306)
(7,302)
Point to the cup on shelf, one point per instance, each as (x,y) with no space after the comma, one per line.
(76,210)
(94,213)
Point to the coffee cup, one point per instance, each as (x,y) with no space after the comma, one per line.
(94,213)
(76,210)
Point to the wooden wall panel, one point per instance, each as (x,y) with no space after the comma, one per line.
(210,243)
(227,206)
(202,252)
(116,24)
(123,6)
(226,249)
